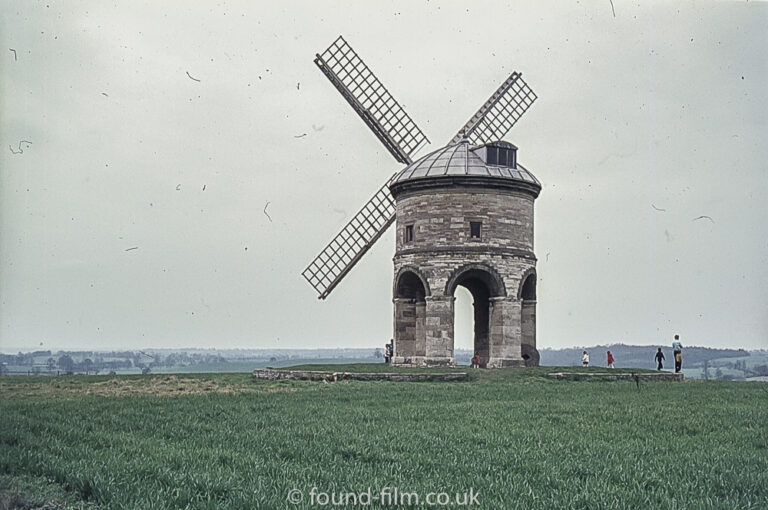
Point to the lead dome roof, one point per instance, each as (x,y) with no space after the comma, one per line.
(462,160)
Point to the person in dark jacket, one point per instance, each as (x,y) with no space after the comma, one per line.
(659,359)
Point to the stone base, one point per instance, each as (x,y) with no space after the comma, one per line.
(423,361)
(505,362)
(313,375)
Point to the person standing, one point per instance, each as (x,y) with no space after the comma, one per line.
(585,359)
(610,360)
(476,361)
(677,350)
(659,358)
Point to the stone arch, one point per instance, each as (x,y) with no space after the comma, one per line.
(406,284)
(410,292)
(486,285)
(527,295)
(527,287)
(483,272)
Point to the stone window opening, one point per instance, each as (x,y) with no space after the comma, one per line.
(475,229)
(408,234)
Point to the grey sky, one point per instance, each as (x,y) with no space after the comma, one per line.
(645,121)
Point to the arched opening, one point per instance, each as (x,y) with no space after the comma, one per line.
(528,320)
(410,286)
(463,326)
(481,284)
(410,313)
(528,291)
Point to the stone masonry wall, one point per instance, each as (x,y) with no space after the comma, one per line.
(441,219)
(442,244)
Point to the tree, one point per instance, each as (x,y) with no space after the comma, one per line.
(66,363)
(87,365)
(50,364)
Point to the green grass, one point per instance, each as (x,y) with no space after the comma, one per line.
(520,439)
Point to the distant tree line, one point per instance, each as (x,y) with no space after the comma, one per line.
(90,362)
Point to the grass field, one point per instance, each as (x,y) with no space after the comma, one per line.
(514,437)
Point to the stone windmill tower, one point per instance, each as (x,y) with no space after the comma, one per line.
(464,217)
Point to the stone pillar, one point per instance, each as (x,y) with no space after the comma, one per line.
(505,343)
(405,327)
(410,340)
(420,339)
(438,327)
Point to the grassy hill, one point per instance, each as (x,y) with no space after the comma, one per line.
(514,437)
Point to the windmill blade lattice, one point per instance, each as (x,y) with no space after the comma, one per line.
(371,100)
(349,245)
(502,110)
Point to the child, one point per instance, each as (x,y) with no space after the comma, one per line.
(659,358)
(610,360)
(585,359)
(476,361)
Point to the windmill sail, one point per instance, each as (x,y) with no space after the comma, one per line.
(371,100)
(502,110)
(349,245)
(402,138)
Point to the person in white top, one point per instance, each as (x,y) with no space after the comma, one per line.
(585,359)
(677,350)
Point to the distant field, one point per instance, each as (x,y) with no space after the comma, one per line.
(516,437)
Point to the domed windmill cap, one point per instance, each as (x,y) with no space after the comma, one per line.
(462,160)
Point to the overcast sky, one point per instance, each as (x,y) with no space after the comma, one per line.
(169,196)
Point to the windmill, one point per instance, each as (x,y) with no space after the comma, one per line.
(477,139)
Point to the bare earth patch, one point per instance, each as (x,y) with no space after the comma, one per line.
(168,385)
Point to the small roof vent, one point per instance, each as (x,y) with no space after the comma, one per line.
(498,154)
